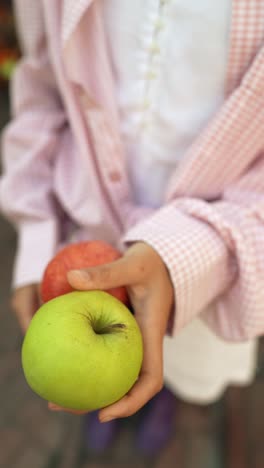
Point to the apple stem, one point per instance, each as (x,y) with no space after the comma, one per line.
(99,330)
(115,327)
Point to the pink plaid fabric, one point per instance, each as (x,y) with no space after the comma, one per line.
(63,156)
(211,232)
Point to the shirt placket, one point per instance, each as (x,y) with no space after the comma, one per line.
(157,21)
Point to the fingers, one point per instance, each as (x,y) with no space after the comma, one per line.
(149,383)
(119,273)
(150,380)
(141,393)
(24,318)
(58,408)
(39,299)
(24,303)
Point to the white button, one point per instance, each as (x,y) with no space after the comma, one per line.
(159,25)
(144,124)
(151,75)
(114,176)
(146,104)
(154,48)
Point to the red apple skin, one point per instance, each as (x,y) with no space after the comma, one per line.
(77,256)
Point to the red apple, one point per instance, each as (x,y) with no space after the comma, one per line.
(73,257)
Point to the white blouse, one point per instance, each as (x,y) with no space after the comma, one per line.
(170,61)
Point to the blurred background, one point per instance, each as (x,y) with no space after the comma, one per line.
(228,434)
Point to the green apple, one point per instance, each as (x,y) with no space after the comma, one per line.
(82,350)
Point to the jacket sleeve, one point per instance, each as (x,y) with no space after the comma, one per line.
(214,250)
(28,146)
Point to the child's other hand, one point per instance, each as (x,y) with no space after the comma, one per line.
(149,286)
(25,301)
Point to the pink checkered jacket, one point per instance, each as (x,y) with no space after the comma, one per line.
(63,159)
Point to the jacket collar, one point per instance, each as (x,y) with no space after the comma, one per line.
(246,37)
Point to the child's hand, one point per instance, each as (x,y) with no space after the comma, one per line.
(142,270)
(25,301)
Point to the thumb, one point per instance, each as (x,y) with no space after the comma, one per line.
(122,272)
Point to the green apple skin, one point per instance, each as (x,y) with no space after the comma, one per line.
(82,350)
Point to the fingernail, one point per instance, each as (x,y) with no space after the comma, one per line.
(107,419)
(81,273)
(53,407)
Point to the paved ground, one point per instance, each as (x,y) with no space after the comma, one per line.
(228,434)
